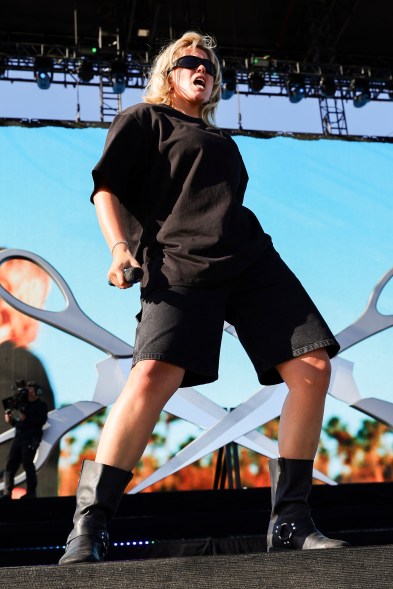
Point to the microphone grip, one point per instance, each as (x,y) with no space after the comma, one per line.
(133,274)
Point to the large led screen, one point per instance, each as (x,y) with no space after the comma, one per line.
(327,204)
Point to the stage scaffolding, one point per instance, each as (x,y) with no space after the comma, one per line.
(105,45)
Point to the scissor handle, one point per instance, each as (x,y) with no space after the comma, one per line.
(72,319)
(371,321)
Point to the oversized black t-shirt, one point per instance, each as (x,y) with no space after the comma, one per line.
(181,184)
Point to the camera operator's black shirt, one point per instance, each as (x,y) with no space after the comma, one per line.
(36,415)
(181,183)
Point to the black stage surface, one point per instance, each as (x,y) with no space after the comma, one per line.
(192,523)
(352,568)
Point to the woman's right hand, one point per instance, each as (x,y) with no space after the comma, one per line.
(122,259)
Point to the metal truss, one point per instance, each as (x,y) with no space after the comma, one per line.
(19,64)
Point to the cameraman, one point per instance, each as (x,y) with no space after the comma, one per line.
(32,416)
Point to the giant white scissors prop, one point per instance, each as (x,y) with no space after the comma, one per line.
(188,404)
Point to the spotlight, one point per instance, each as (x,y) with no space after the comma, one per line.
(228,87)
(361,92)
(43,71)
(85,71)
(256,81)
(327,86)
(119,76)
(295,87)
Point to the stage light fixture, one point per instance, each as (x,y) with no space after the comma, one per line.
(256,81)
(295,88)
(43,71)
(86,71)
(228,87)
(327,86)
(361,92)
(119,76)
(260,61)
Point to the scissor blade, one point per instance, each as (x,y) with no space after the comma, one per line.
(376,408)
(342,383)
(112,376)
(364,327)
(8,435)
(196,408)
(371,320)
(267,403)
(225,426)
(260,408)
(191,405)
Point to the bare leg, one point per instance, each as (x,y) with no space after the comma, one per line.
(291,526)
(134,414)
(307,378)
(125,435)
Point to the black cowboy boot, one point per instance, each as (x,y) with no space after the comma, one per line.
(291,526)
(100,490)
(8,485)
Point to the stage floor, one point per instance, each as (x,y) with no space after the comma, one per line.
(192,523)
(350,568)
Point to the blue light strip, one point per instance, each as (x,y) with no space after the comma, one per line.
(62,547)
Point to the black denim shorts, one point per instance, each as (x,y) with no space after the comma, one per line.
(274,317)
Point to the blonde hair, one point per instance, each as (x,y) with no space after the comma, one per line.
(158,89)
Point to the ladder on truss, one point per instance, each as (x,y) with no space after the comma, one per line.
(333,117)
(110,103)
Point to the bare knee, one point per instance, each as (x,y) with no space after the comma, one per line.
(157,371)
(309,371)
(321,373)
(153,379)
(149,386)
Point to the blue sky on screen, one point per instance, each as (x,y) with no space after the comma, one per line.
(327,204)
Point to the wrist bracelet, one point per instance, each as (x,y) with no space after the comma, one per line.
(117,243)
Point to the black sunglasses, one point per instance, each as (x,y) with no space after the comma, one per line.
(191,62)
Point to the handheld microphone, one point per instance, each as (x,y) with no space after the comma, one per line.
(133,274)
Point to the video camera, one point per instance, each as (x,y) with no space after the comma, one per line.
(19,398)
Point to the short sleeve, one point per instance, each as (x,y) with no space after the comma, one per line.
(121,165)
